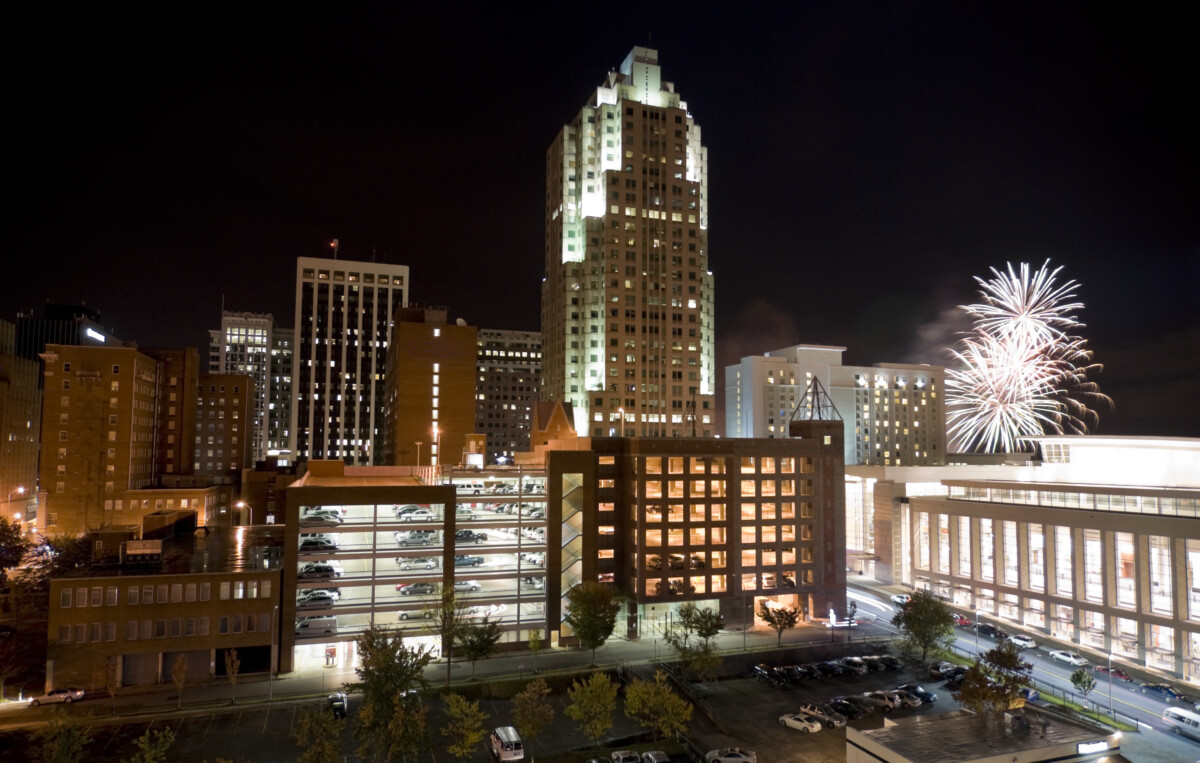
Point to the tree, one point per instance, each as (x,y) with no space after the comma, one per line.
(52,558)
(779,619)
(655,704)
(690,634)
(14,546)
(16,657)
(62,739)
(179,676)
(464,727)
(592,613)
(478,641)
(232,666)
(447,618)
(994,681)
(532,712)
(593,702)
(391,720)
(1083,681)
(535,645)
(926,623)
(153,746)
(318,734)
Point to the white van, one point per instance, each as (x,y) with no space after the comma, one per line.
(472,488)
(312,627)
(1183,722)
(506,744)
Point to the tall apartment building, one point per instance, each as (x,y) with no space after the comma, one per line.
(894,414)
(100,427)
(430,389)
(177,411)
(251,343)
(20,426)
(627,298)
(59,324)
(224,430)
(343,325)
(510,374)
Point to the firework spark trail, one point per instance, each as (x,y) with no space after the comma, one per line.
(1023,373)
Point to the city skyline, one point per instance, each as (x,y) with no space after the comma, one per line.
(866,163)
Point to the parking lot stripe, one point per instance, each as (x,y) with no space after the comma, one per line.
(113,736)
(209,726)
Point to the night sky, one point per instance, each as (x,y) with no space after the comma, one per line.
(866,160)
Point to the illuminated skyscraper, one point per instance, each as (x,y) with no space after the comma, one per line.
(627,299)
(343,324)
(251,343)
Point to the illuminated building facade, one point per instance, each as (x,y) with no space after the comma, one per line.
(251,343)
(224,426)
(510,372)
(20,427)
(1096,546)
(627,299)
(893,413)
(343,325)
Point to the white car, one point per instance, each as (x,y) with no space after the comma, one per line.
(54,696)
(805,724)
(906,699)
(655,756)
(730,755)
(1071,658)
(1022,642)
(466,586)
(625,756)
(900,599)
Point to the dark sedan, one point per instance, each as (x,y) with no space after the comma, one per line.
(406,589)
(1165,692)
(851,711)
(919,692)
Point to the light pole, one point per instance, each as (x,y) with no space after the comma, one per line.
(274,655)
(1110,704)
(419,444)
(242,505)
(977,634)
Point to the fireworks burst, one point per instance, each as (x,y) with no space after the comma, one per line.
(1024,370)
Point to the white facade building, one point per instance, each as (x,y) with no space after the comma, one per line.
(251,344)
(1096,547)
(894,413)
(627,299)
(344,313)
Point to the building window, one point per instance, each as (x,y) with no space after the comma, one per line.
(131,630)
(205,591)
(224,594)
(112,596)
(223,625)
(64,598)
(131,597)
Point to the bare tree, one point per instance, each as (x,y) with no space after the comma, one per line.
(232,666)
(179,676)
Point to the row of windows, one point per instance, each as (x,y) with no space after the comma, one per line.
(163,593)
(144,630)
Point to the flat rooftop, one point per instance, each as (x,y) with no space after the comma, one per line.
(220,549)
(962,736)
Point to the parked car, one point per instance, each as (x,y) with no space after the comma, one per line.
(323,518)
(848,710)
(805,724)
(901,599)
(464,512)
(887,696)
(919,692)
(1021,641)
(316,600)
(655,756)
(854,665)
(1116,673)
(319,571)
(961,621)
(1165,692)
(941,669)
(408,508)
(625,756)
(730,755)
(834,668)
(826,715)
(419,562)
(1028,694)
(416,537)
(338,703)
(418,515)
(466,560)
(407,589)
(890,662)
(1071,658)
(874,664)
(770,675)
(416,614)
(469,536)
(538,584)
(336,593)
(56,696)
(989,630)
(318,544)
(907,699)
(868,706)
(798,673)
(467,586)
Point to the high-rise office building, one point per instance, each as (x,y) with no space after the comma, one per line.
(509,376)
(251,343)
(343,324)
(20,422)
(627,299)
(224,426)
(893,413)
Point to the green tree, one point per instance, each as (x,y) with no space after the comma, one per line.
(464,726)
(52,558)
(655,705)
(1083,681)
(62,739)
(592,614)
(994,681)
(592,704)
(535,645)
(478,641)
(179,676)
(446,618)
(391,720)
(153,746)
(532,711)
(318,734)
(926,623)
(232,667)
(14,546)
(691,635)
(779,619)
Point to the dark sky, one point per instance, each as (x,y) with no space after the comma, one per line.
(866,160)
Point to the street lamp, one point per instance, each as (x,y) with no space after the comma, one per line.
(976,634)
(419,444)
(242,505)
(274,655)
(1110,704)
(15,491)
